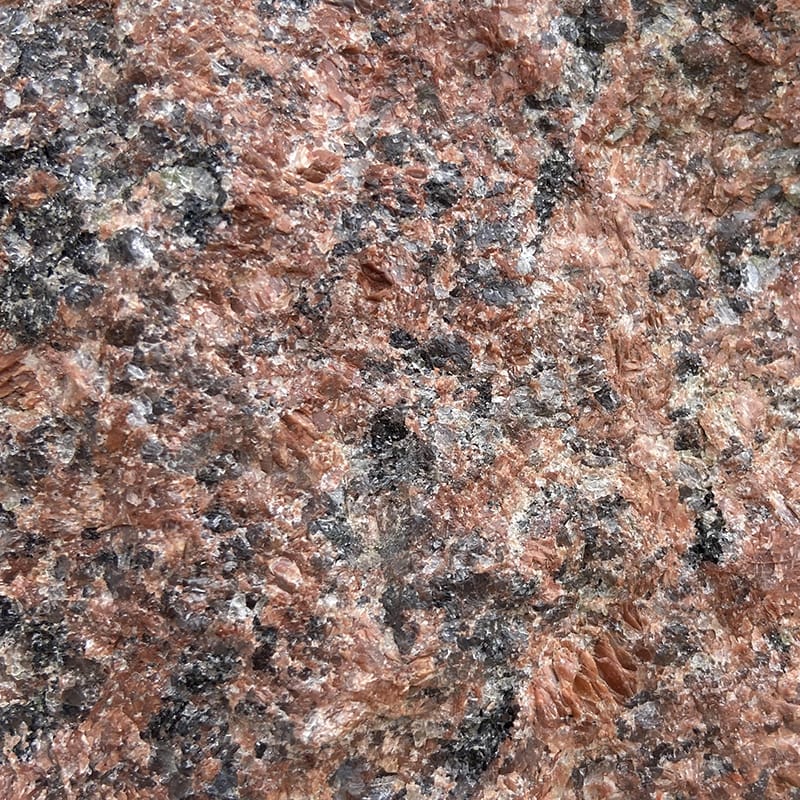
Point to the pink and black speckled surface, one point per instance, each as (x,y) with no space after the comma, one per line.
(399,400)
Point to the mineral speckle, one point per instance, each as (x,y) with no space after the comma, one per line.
(399,400)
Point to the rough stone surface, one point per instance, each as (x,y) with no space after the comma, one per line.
(399,399)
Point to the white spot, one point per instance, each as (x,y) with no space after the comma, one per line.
(12,99)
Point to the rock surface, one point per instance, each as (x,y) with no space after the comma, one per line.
(399,400)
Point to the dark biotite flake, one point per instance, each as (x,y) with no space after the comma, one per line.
(555,172)
(403,340)
(9,615)
(607,398)
(125,332)
(339,533)
(47,644)
(441,194)
(730,275)
(27,466)
(224,466)
(689,437)
(596,32)
(26,720)
(448,353)
(675,647)
(126,247)
(388,427)
(144,558)
(739,305)
(162,405)
(483,399)
(393,147)
(673,278)
(478,741)
(219,520)
(490,641)
(710,528)
(81,295)
(206,670)
(261,660)
(687,364)
(398,602)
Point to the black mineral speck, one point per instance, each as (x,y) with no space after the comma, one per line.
(403,340)
(478,741)
(448,353)
(607,397)
(393,147)
(9,615)
(687,364)
(596,31)
(441,194)
(710,528)
(388,427)
(206,670)
(398,603)
(219,520)
(555,172)
(673,278)
(261,660)
(339,533)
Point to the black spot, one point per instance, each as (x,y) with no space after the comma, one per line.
(339,533)
(607,397)
(206,670)
(219,520)
(731,235)
(485,282)
(730,275)
(710,528)
(29,465)
(490,641)
(673,278)
(398,602)
(399,456)
(478,741)
(483,399)
(689,437)
(596,31)
(143,558)
(9,615)
(687,364)
(224,466)
(81,295)
(388,427)
(26,720)
(201,215)
(31,284)
(675,646)
(448,353)
(402,340)
(47,644)
(162,405)
(441,194)
(555,172)
(393,147)
(126,247)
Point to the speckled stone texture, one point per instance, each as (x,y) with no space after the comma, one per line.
(400,400)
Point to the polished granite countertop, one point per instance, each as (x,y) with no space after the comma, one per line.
(399,400)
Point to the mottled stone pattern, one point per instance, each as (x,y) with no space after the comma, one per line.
(399,399)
